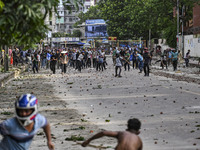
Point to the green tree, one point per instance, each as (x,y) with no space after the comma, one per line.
(134,18)
(22,21)
(1,5)
(92,13)
(77,33)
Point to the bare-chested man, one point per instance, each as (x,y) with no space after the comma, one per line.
(127,140)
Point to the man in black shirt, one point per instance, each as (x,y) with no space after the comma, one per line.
(147,59)
(58,58)
(53,63)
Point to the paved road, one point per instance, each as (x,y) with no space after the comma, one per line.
(168,109)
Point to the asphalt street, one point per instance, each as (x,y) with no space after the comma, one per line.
(168,108)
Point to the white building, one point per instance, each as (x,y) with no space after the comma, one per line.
(64,22)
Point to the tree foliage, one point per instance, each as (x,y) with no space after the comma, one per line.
(1,5)
(128,19)
(92,13)
(77,33)
(22,21)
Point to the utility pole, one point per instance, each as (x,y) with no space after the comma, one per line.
(183,8)
(177,36)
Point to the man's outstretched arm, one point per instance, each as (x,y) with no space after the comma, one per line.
(99,135)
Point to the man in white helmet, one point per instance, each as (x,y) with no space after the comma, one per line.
(18,132)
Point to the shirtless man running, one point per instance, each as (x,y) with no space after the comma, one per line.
(127,140)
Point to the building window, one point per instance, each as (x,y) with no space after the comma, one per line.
(50,22)
(70,19)
(70,27)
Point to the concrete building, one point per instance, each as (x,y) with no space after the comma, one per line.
(67,18)
(63,22)
(193,26)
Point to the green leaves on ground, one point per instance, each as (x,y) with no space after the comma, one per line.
(75,138)
(6,113)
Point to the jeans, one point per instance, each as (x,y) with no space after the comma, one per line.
(43,63)
(35,66)
(141,65)
(186,62)
(125,64)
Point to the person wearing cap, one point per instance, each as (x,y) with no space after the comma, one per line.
(174,59)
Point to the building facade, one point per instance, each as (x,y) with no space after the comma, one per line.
(64,21)
(193,26)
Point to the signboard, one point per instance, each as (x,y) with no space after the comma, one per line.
(95,21)
(112,38)
(68,39)
(60,20)
(95,28)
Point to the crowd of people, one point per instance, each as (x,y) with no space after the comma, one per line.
(79,58)
(18,132)
(54,59)
(140,58)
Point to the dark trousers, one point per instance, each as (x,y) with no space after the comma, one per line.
(94,62)
(35,67)
(186,62)
(116,70)
(135,63)
(175,64)
(141,65)
(53,67)
(88,64)
(73,63)
(126,64)
(79,65)
(99,66)
(146,69)
(163,64)
(63,67)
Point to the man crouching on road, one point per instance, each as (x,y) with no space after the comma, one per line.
(127,140)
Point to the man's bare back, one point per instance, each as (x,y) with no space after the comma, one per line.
(128,141)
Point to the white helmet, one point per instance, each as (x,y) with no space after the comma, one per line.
(26,101)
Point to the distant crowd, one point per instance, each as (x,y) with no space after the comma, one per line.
(79,58)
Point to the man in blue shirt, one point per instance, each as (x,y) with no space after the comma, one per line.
(140,60)
(18,132)
(174,59)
